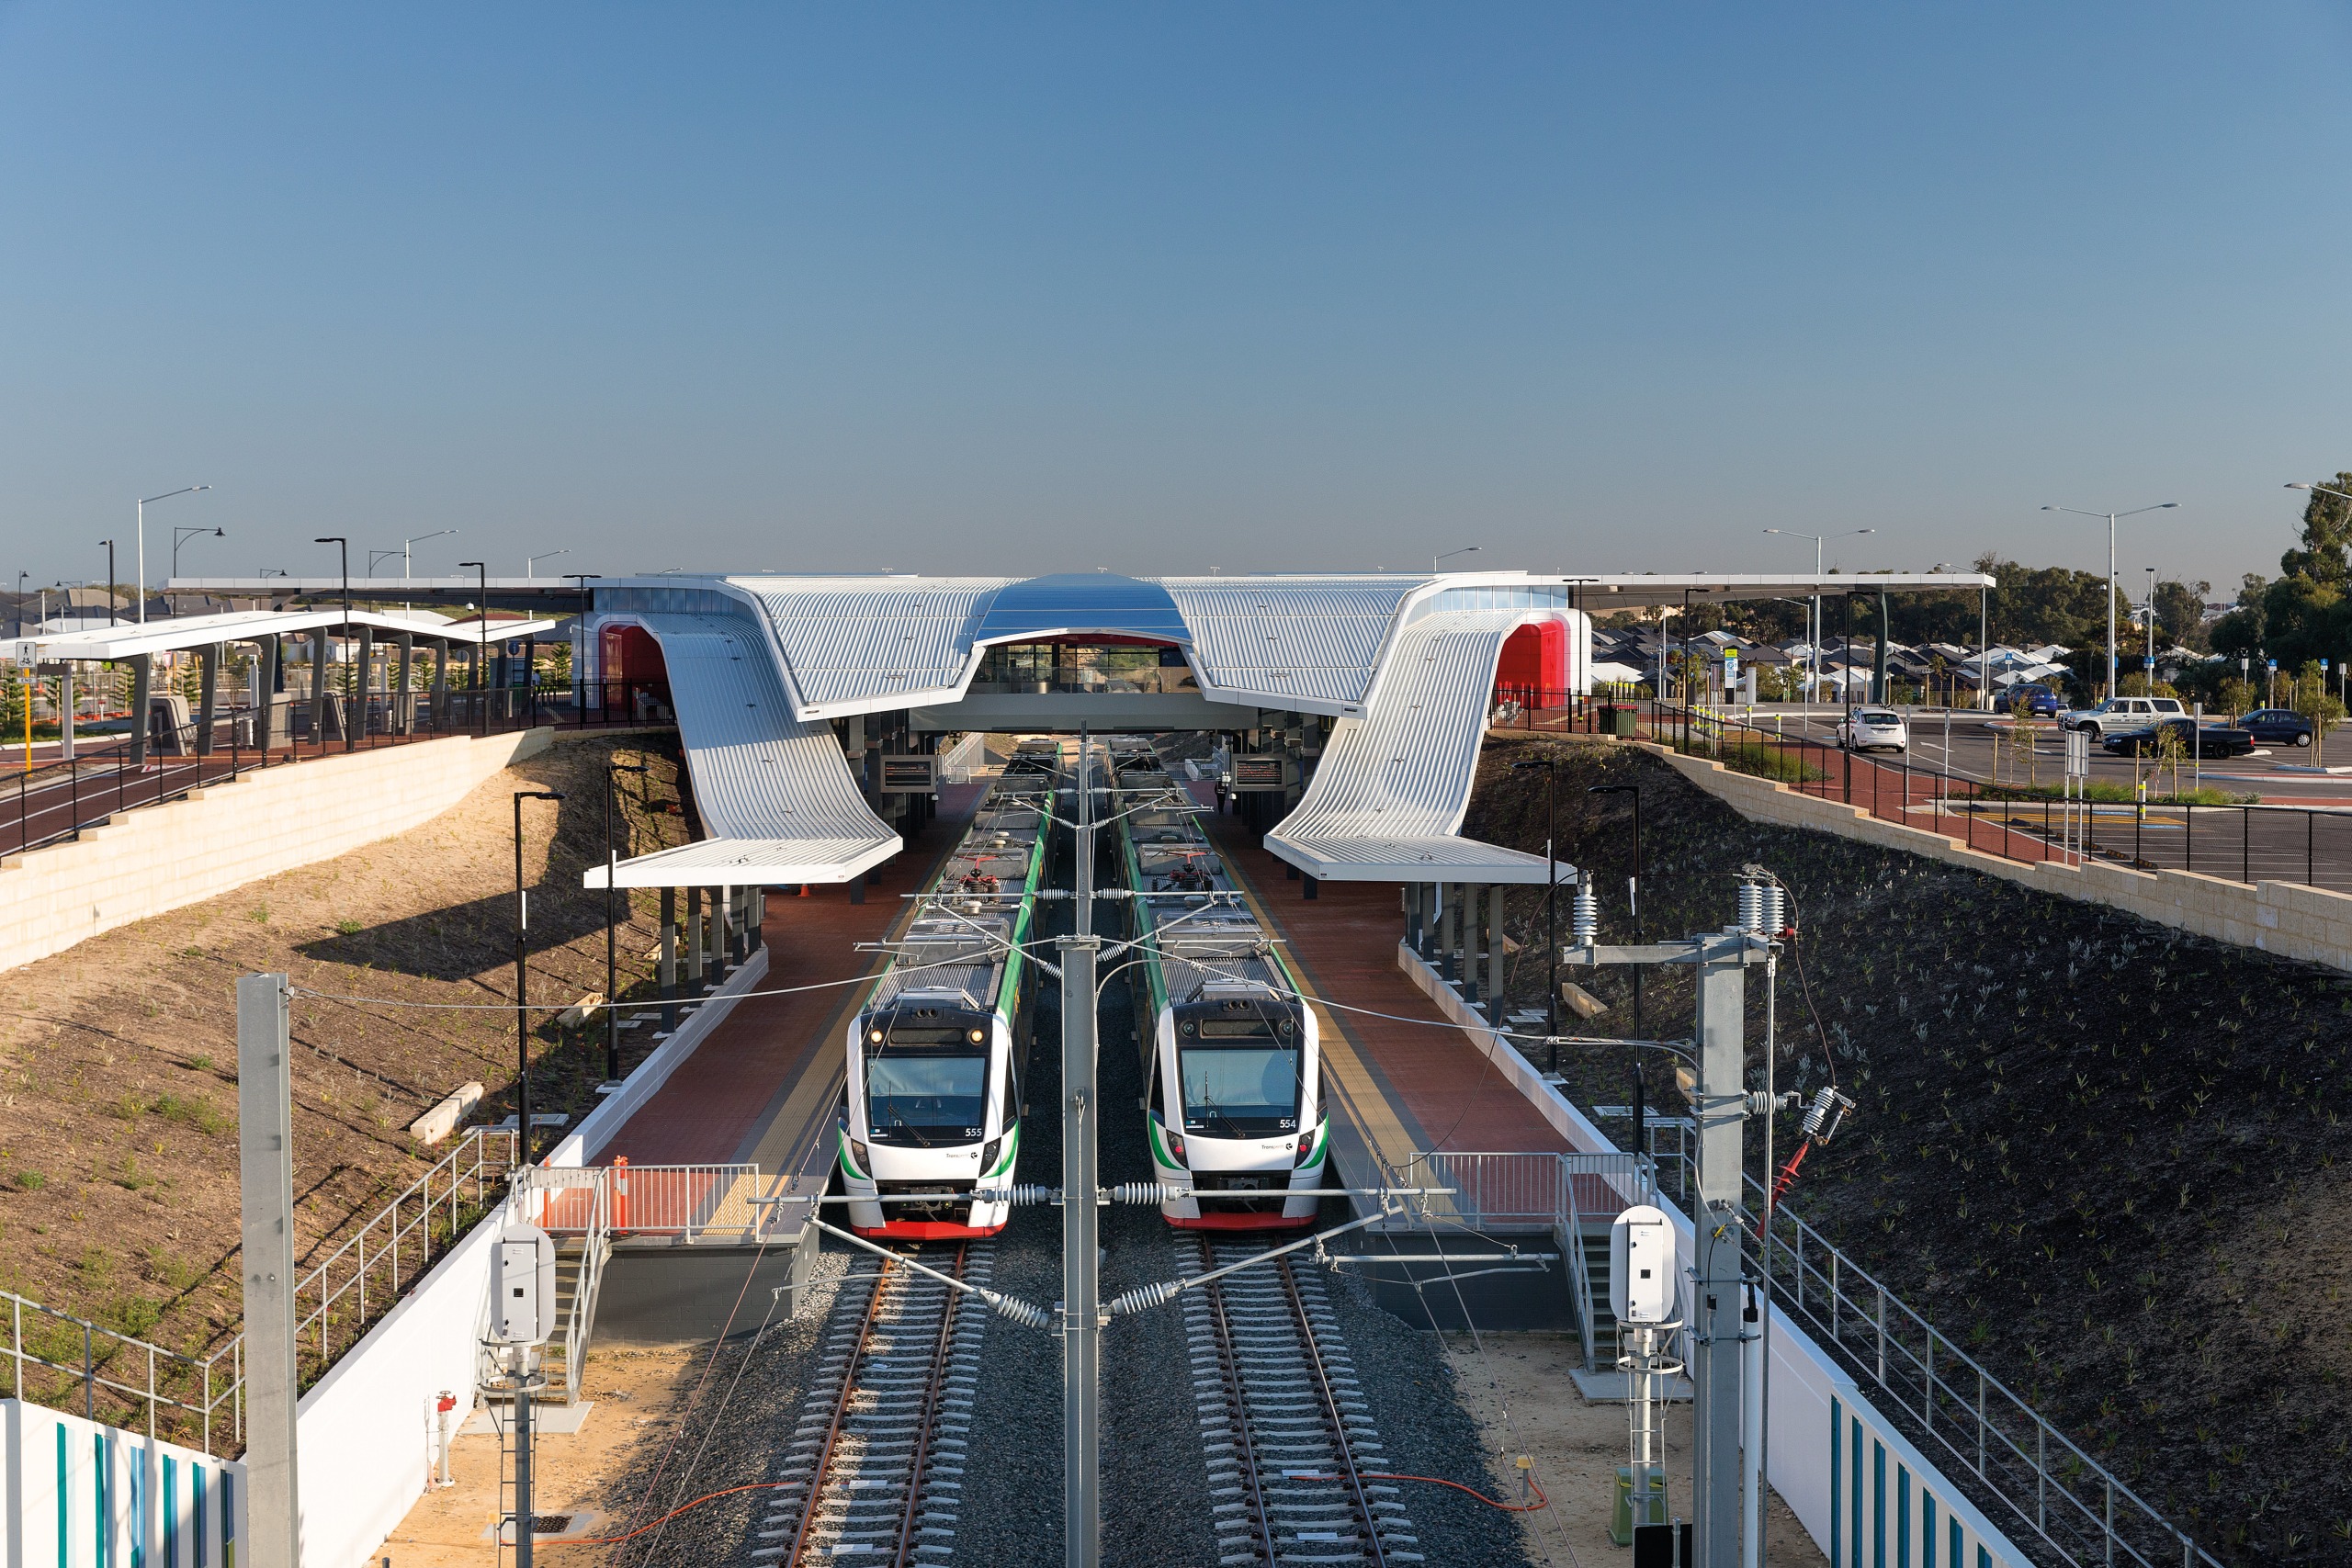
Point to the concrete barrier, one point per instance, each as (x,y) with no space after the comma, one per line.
(159,858)
(2283,918)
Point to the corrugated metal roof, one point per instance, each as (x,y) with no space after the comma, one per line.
(1315,638)
(855,639)
(1393,786)
(774,793)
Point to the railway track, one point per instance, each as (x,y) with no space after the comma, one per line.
(1284,1424)
(874,1473)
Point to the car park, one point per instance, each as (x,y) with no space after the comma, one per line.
(2277,726)
(2119,714)
(2208,741)
(1873,729)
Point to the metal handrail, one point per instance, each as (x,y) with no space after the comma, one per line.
(1995,1434)
(383,1260)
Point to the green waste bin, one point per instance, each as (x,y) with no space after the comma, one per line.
(1618,721)
(1621,1517)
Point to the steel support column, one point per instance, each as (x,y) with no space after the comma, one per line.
(266,1180)
(208,700)
(1715,1303)
(669,972)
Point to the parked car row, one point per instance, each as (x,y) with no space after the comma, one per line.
(2125,716)
(2201,742)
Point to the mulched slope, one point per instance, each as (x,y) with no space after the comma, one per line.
(2107,1157)
(118,1057)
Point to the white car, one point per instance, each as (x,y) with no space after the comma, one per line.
(2118,715)
(1868,729)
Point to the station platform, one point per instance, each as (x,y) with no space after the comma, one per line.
(762,1086)
(1400,1083)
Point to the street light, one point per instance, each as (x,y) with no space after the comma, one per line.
(1813,664)
(109,544)
(1437,561)
(522,1006)
(185,489)
(1549,762)
(481,638)
(2111,516)
(344,546)
(531,562)
(612,951)
(182,535)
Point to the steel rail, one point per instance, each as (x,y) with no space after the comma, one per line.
(1237,1411)
(910,1513)
(830,1444)
(1373,1549)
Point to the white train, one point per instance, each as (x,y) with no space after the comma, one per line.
(938,1055)
(1233,1102)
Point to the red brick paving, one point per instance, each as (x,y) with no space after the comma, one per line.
(715,1104)
(1437,1084)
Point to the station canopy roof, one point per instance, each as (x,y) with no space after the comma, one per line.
(174,634)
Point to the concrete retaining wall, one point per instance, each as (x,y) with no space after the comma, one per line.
(2284,917)
(160,858)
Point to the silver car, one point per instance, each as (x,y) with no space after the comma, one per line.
(1873,729)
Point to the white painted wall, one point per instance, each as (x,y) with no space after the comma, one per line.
(158,858)
(80,1494)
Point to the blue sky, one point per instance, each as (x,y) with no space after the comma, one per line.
(1162,287)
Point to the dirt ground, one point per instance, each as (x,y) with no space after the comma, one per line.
(118,1194)
(1519,1388)
(635,1397)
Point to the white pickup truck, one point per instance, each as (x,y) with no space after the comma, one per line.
(2118,715)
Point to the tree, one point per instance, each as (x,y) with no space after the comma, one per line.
(2326,553)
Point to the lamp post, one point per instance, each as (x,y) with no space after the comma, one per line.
(611,939)
(482,639)
(2111,516)
(1550,764)
(530,563)
(109,544)
(1813,665)
(1437,561)
(522,999)
(2149,610)
(181,535)
(144,504)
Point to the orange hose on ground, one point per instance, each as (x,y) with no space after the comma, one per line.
(706,1497)
(1541,1500)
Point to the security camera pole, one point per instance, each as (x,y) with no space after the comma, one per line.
(522,1319)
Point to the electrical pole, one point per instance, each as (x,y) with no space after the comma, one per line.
(265,1178)
(1082,1320)
(522,984)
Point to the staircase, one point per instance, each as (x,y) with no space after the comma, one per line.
(575,1317)
(1588,1267)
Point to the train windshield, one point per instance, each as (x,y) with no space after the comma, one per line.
(1239,1090)
(927,1097)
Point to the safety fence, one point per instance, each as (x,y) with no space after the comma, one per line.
(694,1204)
(2021,819)
(2015,1463)
(58,1358)
(57,799)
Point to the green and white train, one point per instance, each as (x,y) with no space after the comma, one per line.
(1233,1101)
(938,1055)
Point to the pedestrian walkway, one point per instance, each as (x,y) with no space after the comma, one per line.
(763,1086)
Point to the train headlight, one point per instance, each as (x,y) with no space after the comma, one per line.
(1305,1147)
(988,1151)
(976,1035)
(874,1036)
(1176,1146)
(859,1158)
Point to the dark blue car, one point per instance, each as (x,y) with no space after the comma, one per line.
(2277,726)
(2040,701)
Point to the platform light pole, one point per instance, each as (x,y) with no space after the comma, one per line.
(522,977)
(1813,664)
(530,563)
(1438,561)
(2111,516)
(611,938)
(482,641)
(182,535)
(110,615)
(143,505)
